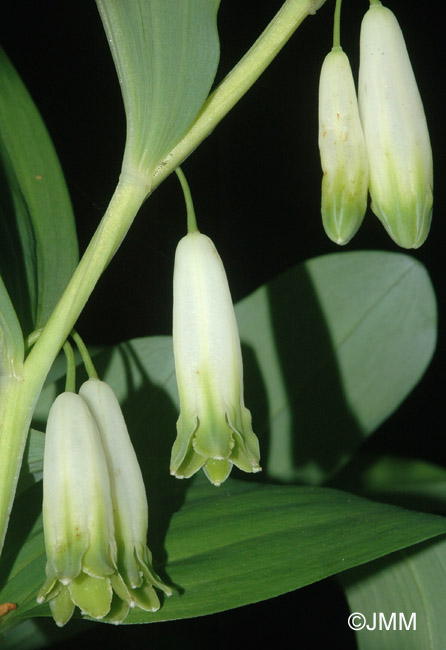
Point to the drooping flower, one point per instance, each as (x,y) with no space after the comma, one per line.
(128,495)
(77,514)
(395,129)
(342,149)
(214,430)
(87,545)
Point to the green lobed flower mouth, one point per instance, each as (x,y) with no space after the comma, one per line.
(95,523)
(217,442)
(214,430)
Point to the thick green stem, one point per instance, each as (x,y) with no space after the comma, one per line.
(125,203)
(14,424)
(239,80)
(18,397)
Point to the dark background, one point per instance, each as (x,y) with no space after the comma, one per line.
(256,188)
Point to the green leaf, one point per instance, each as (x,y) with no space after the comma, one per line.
(166,54)
(332,348)
(406,482)
(231,546)
(408,582)
(32,465)
(38,245)
(11,339)
(38,633)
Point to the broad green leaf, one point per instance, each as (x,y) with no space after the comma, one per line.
(332,348)
(406,482)
(38,245)
(38,633)
(11,339)
(231,546)
(166,54)
(25,636)
(408,582)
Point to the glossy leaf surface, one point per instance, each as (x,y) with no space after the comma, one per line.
(38,244)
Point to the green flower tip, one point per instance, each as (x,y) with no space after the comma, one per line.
(342,149)
(214,429)
(94,512)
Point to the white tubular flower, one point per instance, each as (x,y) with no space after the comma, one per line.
(77,514)
(128,497)
(342,148)
(214,428)
(94,512)
(395,129)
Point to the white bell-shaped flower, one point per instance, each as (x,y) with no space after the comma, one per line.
(94,511)
(214,428)
(128,495)
(77,513)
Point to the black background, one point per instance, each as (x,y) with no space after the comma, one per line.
(256,188)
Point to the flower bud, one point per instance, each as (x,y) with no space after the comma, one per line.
(214,428)
(342,148)
(395,129)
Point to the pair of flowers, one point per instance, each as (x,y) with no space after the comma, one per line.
(380,143)
(94,511)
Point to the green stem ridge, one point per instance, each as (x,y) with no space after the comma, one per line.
(19,396)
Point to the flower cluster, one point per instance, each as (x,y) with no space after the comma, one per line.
(380,142)
(94,511)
